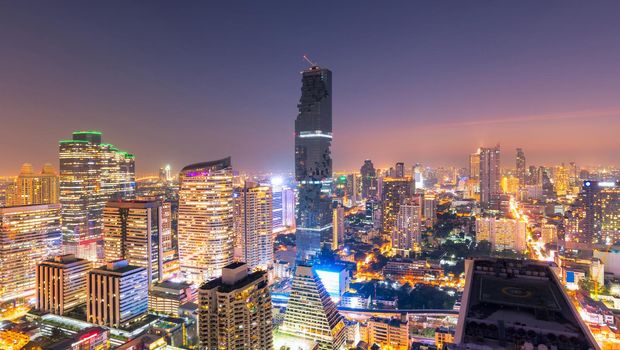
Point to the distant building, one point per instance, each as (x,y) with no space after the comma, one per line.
(407,231)
(338,230)
(61,283)
(399,170)
(474,165)
(502,233)
(502,304)
(490,178)
(235,310)
(420,269)
(521,167)
(205,228)
(369,180)
(354,301)
(28,235)
(31,188)
(395,192)
(549,233)
(124,299)
(429,205)
(389,333)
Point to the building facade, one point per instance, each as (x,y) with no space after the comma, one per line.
(311,314)
(235,310)
(31,188)
(91,173)
(116,294)
(28,235)
(205,223)
(61,283)
(490,178)
(313,162)
(138,231)
(255,224)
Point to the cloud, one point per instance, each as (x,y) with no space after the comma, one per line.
(583,114)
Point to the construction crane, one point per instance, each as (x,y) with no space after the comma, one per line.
(307,59)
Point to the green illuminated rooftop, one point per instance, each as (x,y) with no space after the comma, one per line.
(93,132)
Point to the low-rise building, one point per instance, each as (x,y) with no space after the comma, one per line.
(386,332)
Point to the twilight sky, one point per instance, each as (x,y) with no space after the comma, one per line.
(430,81)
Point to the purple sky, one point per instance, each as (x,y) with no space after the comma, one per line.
(430,81)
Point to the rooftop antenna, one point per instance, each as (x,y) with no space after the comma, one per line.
(307,59)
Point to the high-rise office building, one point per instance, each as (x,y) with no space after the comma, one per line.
(395,192)
(31,188)
(28,235)
(313,162)
(521,169)
(399,170)
(255,225)
(138,231)
(116,294)
(235,310)
(369,180)
(61,283)
(474,165)
(205,224)
(490,178)
(91,173)
(338,231)
(407,232)
(311,314)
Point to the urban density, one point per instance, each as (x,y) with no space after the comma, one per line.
(512,242)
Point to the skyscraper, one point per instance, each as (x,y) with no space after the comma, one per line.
(395,192)
(474,165)
(311,314)
(235,310)
(136,231)
(430,209)
(600,202)
(338,231)
(407,231)
(313,162)
(490,178)
(28,235)
(31,188)
(369,180)
(205,224)
(521,169)
(61,283)
(91,173)
(255,224)
(399,170)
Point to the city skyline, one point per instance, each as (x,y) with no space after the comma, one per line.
(543,78)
